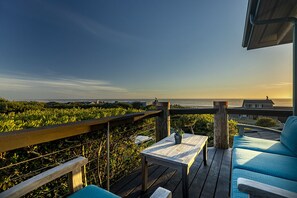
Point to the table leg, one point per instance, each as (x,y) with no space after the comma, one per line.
(185,181)
(205,154)
(144,173)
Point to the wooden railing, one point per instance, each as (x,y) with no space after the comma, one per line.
(22,138)
(221,112)
(193,111)
(263,112)
(10,141)
(18,139)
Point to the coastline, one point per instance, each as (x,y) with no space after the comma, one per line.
(183,102)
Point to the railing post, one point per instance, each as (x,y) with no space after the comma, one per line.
(108,156)
(163,121)
(295,69)
(221,129)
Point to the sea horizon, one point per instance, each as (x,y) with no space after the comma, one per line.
(282,102)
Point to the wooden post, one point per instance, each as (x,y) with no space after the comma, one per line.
(75,178)
(163,121)
(221,129)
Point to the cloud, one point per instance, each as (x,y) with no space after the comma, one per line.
(58,87)
(276,85)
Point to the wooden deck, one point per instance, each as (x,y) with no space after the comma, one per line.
(263,134)
(204,181)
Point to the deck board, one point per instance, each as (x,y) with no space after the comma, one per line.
(125,181)
(212,180)
(194,171)
(129,188)
(222,189)
(210,184)
(204,181)
(200,178)
(163,179)
(151,180)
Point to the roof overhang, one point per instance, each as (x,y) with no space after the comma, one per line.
(268,34)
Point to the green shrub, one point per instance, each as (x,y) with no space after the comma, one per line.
(202,125)
(233,130)
(125,154)
(266,122)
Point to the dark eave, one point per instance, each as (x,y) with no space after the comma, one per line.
(258,36)
(258,101)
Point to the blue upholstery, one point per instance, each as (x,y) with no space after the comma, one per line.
(257,144)
(266,163)
(92,191)
(266,179)
(289,134)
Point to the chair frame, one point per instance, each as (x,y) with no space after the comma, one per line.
(74,169)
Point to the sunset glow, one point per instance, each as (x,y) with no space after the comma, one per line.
(141,49)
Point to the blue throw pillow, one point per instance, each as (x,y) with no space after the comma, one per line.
(289,134)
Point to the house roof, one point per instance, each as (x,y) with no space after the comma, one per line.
(265,35)
(258,101)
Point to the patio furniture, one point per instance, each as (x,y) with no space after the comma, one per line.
(265,167)
(74,168)
(177,156)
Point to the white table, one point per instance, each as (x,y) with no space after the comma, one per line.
(177,156)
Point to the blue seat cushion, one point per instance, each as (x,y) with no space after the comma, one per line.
(257,144)
(289,134)
(267,163)
(91,191)
(266,179)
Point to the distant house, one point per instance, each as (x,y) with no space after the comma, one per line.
(255,104)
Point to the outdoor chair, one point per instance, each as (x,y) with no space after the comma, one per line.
(263,145)
(266,167)
(74,168)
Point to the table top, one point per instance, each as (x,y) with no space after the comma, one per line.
(182,154)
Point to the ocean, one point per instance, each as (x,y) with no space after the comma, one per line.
(182,102)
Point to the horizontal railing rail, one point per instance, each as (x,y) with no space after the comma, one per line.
(241,128)
(26,137)
(22,138)
(193,111)
(264,112)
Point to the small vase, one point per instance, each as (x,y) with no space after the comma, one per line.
(178,138)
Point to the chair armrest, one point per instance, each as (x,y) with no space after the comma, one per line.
(72,166)
(161,193)
(242,126)
(258,189)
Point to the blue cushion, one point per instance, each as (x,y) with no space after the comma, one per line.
(266,179)
(91,191)
(270,164)
(289,134)
(257,144)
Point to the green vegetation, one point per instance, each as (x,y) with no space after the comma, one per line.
(201,125)
(37,118)
(266,122)
(7,106)
(124,152)
(13,106)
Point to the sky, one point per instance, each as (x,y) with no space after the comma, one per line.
(100,49)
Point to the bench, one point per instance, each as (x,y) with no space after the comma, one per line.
(74,169)
(265,168)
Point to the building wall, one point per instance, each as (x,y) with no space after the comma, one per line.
(258,105)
